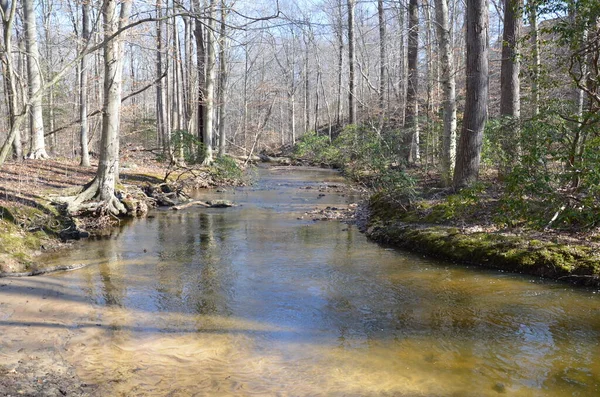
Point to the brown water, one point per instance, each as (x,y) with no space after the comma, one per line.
(253,301)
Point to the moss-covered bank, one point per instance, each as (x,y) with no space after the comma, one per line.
(577,263)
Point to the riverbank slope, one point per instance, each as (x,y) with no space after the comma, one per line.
(476,240)
(33,223)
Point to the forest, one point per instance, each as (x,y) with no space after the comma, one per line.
(300,198)
(448,112)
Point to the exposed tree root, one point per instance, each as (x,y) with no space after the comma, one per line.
(89,201)
(38,154)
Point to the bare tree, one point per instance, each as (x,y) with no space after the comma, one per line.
(510,102)
(102,188)
(382,54)
(351,64)
(209,99)
(222,78)
(468,155)
(411,123)
(449,90)
(535,49)
(34,78)
(83,85)
(14,135)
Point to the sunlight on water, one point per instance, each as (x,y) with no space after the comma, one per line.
(254,301)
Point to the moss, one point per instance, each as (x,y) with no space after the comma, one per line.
(507,252)
(18,243)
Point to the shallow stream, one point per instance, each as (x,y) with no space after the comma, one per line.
(252,300)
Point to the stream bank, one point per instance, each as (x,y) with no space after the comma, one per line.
(32,223)
(550,255)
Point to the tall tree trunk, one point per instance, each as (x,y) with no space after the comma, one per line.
(471,137)
(339,32)
(382,57)
(535,50)
(162,123)
(449,91)
(201,74)
(222,78)
(34,79)
(14,135)
(510,101)
(47,7)
(351,64)
(178,86)
(102,188)
(306,86)
(210,86)
(83,83)
(411,122)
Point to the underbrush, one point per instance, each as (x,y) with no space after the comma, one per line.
(543,181)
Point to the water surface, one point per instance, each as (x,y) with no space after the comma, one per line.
(253,300)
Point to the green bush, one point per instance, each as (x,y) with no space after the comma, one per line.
(226,169)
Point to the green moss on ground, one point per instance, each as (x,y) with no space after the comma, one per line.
(396,226)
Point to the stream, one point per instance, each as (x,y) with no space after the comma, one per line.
(261,300)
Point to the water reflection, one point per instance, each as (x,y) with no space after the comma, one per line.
(251,300)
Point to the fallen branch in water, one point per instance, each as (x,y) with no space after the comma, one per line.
(190,204)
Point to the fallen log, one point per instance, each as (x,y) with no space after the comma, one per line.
(191,204)
(205,204)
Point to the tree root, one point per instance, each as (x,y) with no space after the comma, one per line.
(39,154)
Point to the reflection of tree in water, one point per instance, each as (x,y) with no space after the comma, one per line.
(214,271)
(193,274)
(111,277)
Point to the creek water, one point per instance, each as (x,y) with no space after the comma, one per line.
(252,300)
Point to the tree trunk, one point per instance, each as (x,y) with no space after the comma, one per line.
(449,87)
(382,58)
(536,64)
(471,137)
(201,74)
(83,89)
(14,136)
(222,78)
(210,86)
(510,102)
(306,86)
(34,79)
(410,145)
(102,188)
(340,64)
(162,123)
(351,64)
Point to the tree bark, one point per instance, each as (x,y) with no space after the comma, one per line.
(14,134)
(162,122)
(475,117)
(210,86)
(382,55)
(449,91)
(510,102)
(83,89)
(34,79)
(201,74)
(102,188)
(535,49)
(411,122)
(351,64)
(222,78)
